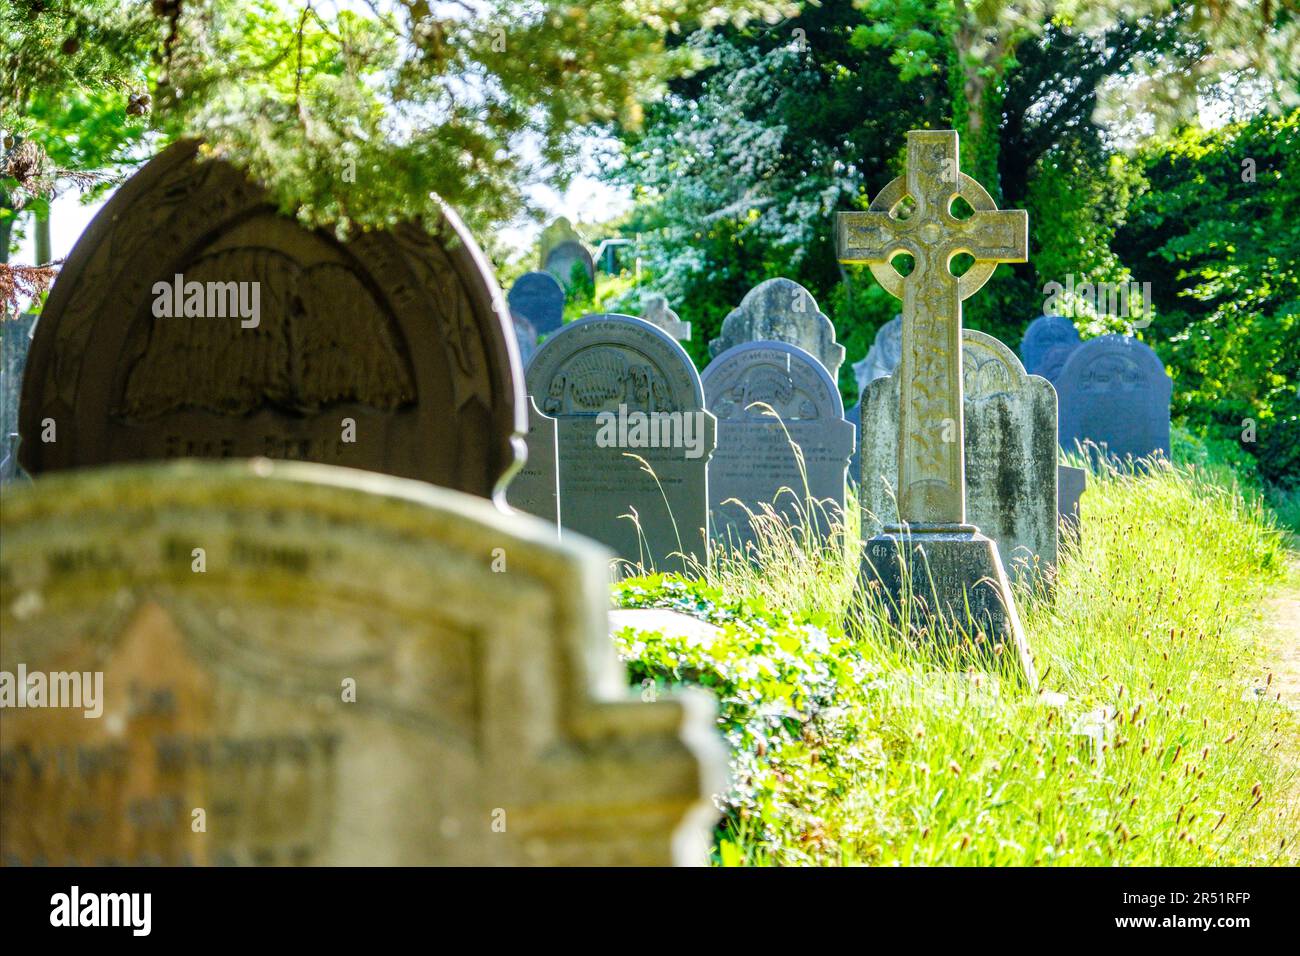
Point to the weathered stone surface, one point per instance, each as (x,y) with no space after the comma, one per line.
(539,298)
(654,308)
(15,342)
(755,463)
(1011,471)
(1114,394)
(535,487)
(351,679)
(561,260)
(1047,343)
(599,377)
(957,577)
(781,310)
(387,353)
(883,356)
(1071,484)
(931,458)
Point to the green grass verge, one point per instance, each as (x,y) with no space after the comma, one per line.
(1157,743)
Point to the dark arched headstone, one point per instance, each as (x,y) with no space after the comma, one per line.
(388,352)
(539,298)
(1114,394)
(1048,342)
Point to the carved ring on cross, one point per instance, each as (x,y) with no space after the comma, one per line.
(888,200)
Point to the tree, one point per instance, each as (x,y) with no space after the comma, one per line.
(1215,230)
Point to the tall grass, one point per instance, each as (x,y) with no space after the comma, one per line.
(1155,739)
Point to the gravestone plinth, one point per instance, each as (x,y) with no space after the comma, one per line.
(388,352)
(634,438)
(770,398)
(327,667)
(954,575)
(781,310)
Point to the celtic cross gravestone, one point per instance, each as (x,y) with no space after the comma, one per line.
(963,575)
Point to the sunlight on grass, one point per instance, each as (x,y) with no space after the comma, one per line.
(1155,739)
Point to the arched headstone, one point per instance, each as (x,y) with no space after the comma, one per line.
(781,310)
(194,320)
(755,463)
(1011,470)
(1048,342)
(539,298)
(561,260)
(1115,394)
(627,402)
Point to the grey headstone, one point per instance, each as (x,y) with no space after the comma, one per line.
(15,342)
(535,488)
(539,298)
(1053,361)
(883,356)
(561,260)
(1048,334)
(654,308)
(525,336)
(1011,491)
(755,463)
(599,377)
(1115,394)
(781,310)
(1071,483)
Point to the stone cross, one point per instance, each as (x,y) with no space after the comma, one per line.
(931,487)
(958,570)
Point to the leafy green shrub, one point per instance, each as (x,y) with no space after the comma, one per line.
(1216,233)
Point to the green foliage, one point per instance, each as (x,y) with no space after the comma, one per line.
(849,748)
(1221,254)
(739,171)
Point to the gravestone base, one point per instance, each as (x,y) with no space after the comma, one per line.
(924,573)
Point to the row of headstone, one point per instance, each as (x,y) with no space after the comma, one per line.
(1114,393)
(631,427)
(330,667)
